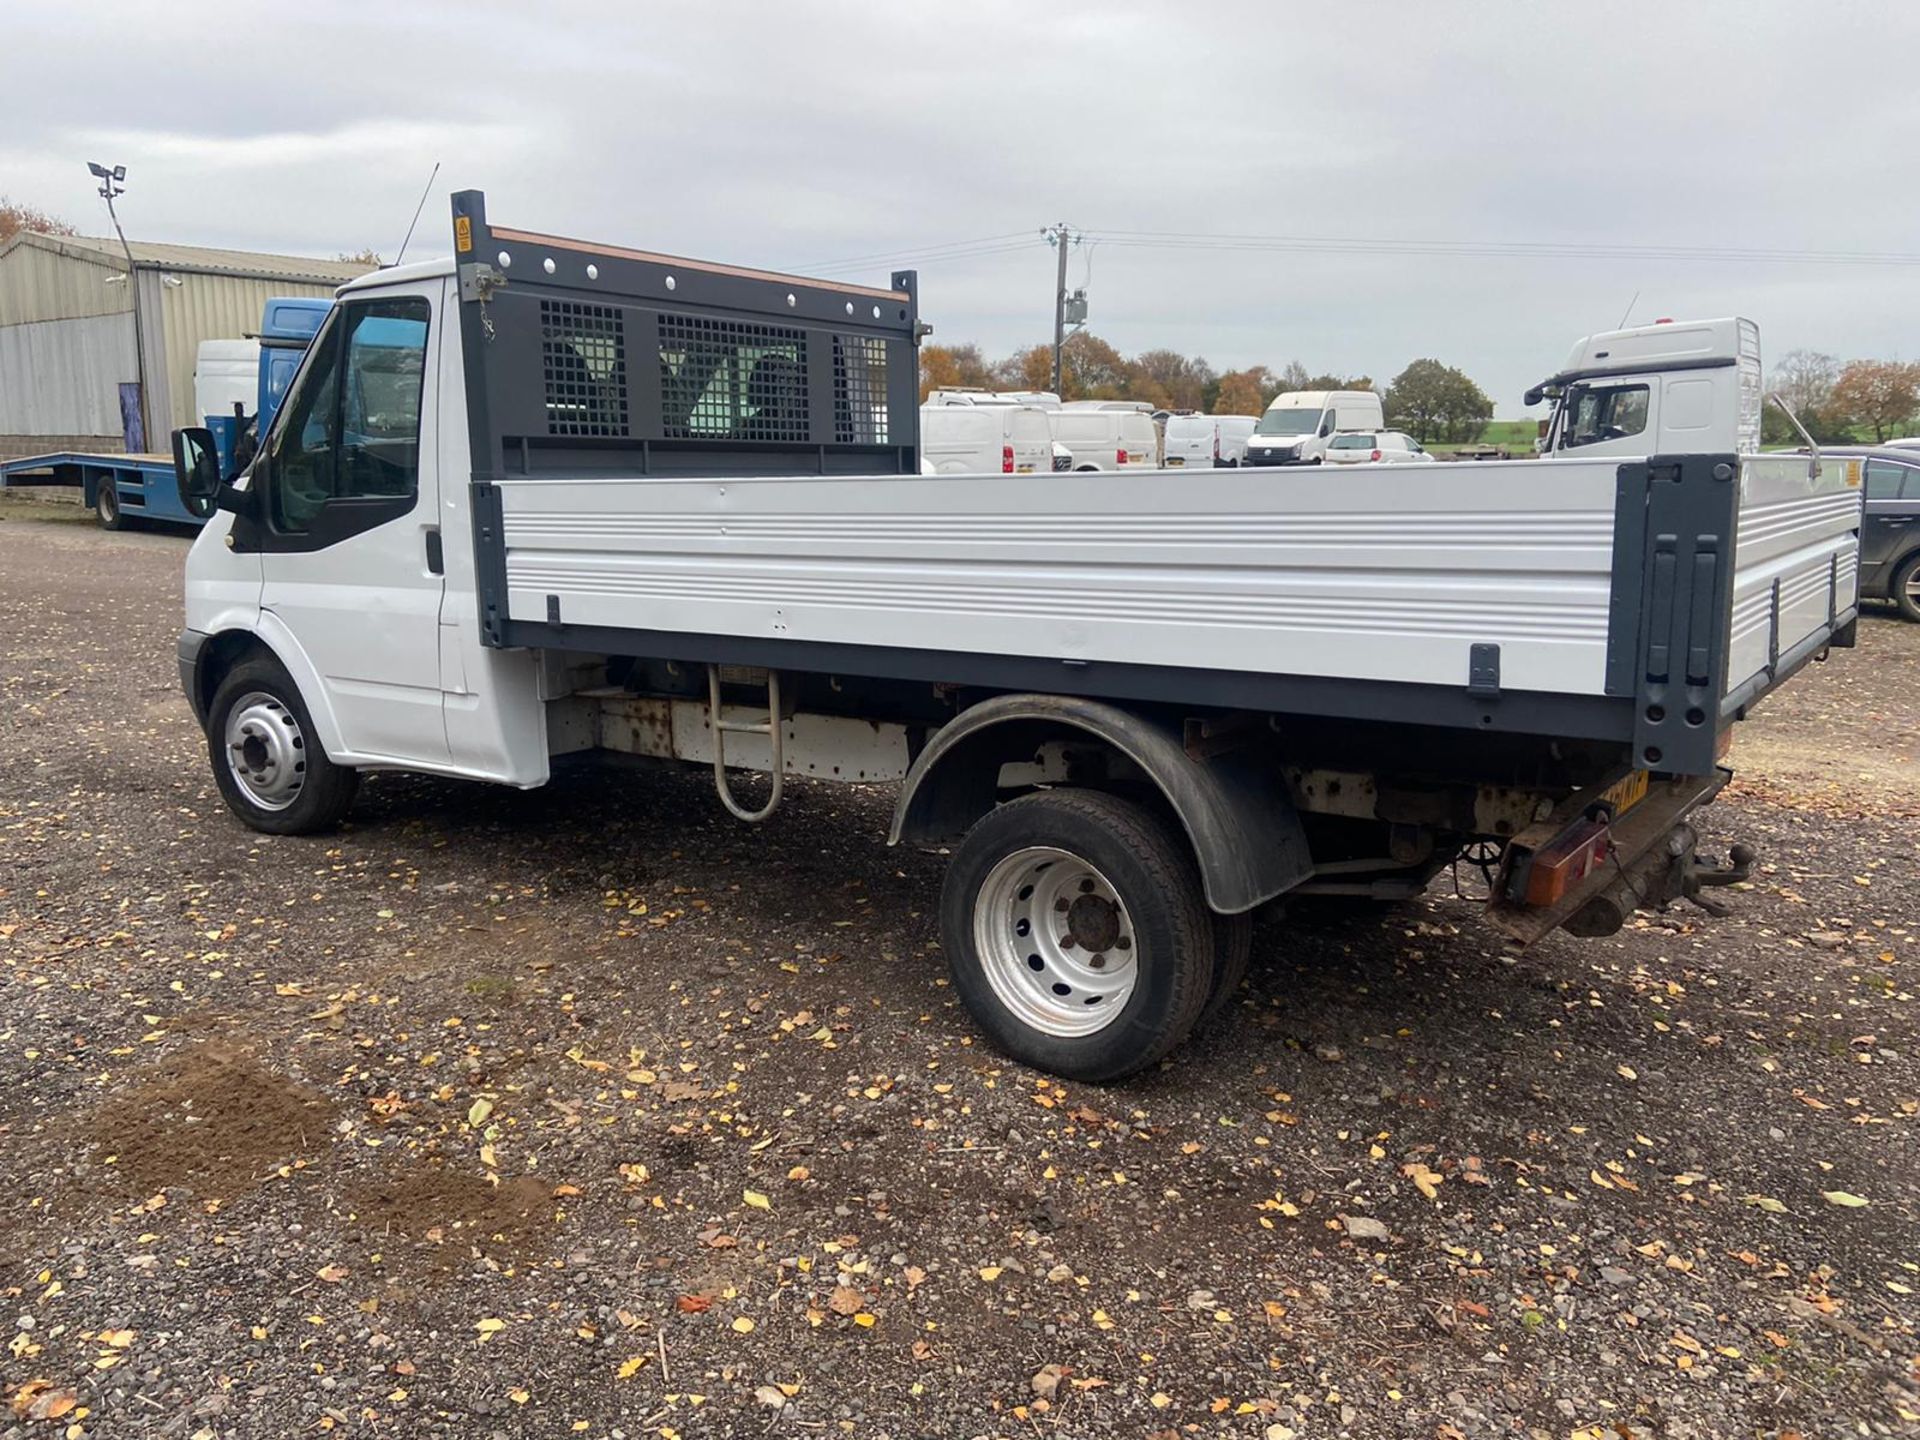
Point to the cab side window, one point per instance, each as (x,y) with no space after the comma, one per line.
(352,428)
(1609,412)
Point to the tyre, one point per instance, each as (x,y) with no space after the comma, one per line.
(1232,951)
(1906,588)
(1076,933)
(106,505)
(270,769)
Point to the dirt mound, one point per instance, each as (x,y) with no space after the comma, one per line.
(457,1211)
(212,1118)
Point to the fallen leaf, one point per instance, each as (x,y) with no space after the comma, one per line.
(845,1300)
(756,1200)
(1424,1180)
(743,1326)
(1766,1203)
(694,1304)
(1627,1072)
(478,1112)
(1842,1198)
(630,1367)
(990,1273)
(331,1274)
(771,1397)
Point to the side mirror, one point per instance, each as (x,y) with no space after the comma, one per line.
(196,470)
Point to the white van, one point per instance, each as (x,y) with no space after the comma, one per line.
(1298,424)
(985,440)
(969,395)
(226,371)
(1202,441)
(1107,439)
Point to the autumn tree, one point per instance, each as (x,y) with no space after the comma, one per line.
(1028,369)
(1435,401)
(1167,379)
(367,256)
(949,367)
(1243,392)
(1091,369)
(16,216)
(1878,395)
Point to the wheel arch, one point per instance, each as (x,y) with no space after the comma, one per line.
(225,649)
(1236,814)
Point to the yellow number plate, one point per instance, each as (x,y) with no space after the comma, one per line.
(1625,793)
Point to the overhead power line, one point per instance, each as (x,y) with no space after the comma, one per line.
(1501,249)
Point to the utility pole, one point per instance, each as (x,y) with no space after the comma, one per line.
(1059,237)
(110,186)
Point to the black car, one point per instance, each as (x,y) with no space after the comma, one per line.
(1890,538)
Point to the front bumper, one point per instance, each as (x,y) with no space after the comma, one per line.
(191,646)
(1273,458)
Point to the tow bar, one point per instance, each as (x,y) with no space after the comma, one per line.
(1668,872)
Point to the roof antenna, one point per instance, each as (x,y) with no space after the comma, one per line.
(1623,314)
(423,205)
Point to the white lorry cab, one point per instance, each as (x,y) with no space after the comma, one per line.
(226,373)
(1298,423)
(550,499)
(1107,439)
(973,439)
(1202,441)
(1656,389)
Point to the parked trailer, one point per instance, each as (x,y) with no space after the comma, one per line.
(597,499)
(119,488)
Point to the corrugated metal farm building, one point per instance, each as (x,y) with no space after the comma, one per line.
(67,331)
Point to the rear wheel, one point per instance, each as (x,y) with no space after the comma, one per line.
(1906,588)
(1232,952)
(106,505)
(1076,933)
(270,769)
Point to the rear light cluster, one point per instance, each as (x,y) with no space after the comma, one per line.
(1573,856)
(1375,455)
(1119,457)
(1006,459)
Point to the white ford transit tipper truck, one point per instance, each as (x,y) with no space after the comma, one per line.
(550,497)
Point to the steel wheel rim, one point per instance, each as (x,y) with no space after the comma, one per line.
(106,503)
(1056,942)
(266,753)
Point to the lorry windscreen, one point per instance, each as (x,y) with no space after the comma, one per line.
(1288,422)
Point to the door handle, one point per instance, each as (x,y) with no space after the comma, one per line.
(436,557)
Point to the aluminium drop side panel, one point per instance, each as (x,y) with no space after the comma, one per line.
(1796,566)
(1392,575)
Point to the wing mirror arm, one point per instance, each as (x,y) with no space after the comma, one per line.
(1813,449)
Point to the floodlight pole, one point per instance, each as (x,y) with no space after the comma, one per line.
(110,187)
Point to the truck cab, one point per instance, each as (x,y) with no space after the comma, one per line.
(1668,388)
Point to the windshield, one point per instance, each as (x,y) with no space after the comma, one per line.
(1288,422)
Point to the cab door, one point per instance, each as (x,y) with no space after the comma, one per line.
(346,523)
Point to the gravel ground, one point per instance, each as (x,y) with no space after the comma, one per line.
(586,1111)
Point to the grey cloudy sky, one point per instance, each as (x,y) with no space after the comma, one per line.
(795,134)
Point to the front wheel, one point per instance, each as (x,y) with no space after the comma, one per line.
(270,769)
(106,505)
(1076,933)
(1906,588)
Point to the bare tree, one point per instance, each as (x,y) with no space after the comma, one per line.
(1805,380)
